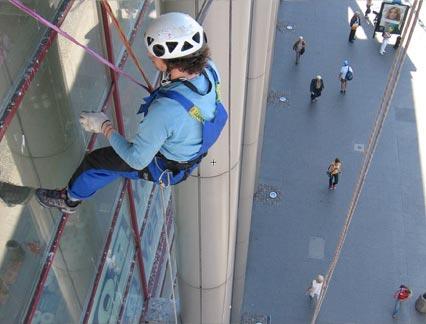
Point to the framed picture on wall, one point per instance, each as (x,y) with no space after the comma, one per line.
(392,17)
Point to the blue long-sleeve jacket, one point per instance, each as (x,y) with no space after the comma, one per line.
(168,128)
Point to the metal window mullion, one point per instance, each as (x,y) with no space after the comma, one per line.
(104,255)
(32,68)
(120,126)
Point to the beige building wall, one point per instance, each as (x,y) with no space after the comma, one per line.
(207,203)
(263,24)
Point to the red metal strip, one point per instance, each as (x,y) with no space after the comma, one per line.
(126,43)
(161,251)
(104,255)
(45,271)
(126,290)
(92,141)
(11,110)
(134,256)
(165,273)
(135,30)
(120,126)
(32,68)
(136,237)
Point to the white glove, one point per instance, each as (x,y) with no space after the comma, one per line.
(93,121)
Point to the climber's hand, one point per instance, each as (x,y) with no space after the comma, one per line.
(93,121)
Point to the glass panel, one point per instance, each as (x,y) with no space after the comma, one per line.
(85,79)
(112,284)
(142,193)
(25,234)
(135,300)
(167,285)
(132,94)
(42,147)
(75,264)
(20,35)
(154,223)
(126,11)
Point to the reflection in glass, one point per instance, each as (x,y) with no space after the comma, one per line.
(142,193)
(20,35)
(42,147)
(153,227)
(126,12)
(112,284)
(132,94)
(135,300)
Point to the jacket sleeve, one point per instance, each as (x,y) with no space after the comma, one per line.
(151,135)
(312,86)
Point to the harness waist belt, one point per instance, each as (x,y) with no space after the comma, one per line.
(175,166)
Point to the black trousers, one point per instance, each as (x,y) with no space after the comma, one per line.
(333,180)
(352,35)
(315,94)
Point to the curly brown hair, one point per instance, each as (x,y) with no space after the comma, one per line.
(194,63)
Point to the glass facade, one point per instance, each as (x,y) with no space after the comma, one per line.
(95,274)
(16,46)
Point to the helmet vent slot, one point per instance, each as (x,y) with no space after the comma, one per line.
(196,37)
(149,40)
(158,50)
(171,46)
(186,46)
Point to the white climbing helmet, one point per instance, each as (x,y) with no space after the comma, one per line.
(174,35)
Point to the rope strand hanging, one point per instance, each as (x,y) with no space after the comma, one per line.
(372,144)
(126,43)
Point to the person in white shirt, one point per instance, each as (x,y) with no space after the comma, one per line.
(344,77)
(386,37)
(314,290)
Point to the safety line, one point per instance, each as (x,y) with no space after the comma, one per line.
(98,57)
(374,137)
(126,42)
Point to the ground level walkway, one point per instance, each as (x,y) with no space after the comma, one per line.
(293,237)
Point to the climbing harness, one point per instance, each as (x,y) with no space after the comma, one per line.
(18,4)
(179,171)
(372,144)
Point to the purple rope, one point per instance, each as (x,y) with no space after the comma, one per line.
(47,23)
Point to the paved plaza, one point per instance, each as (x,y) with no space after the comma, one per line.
(293,238)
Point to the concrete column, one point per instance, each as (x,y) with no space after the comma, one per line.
(260,57)
(207,202)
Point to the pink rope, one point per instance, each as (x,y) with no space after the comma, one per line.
(18,4)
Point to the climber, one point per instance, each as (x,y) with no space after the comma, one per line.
(182,119)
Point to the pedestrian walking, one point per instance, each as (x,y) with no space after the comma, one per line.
(333,171)
(316,87)
(175,133)
(398,42)
(386,37)
(368,10)
(299,47)
(346,74)
(314,290)
(402,294)
(354,23)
